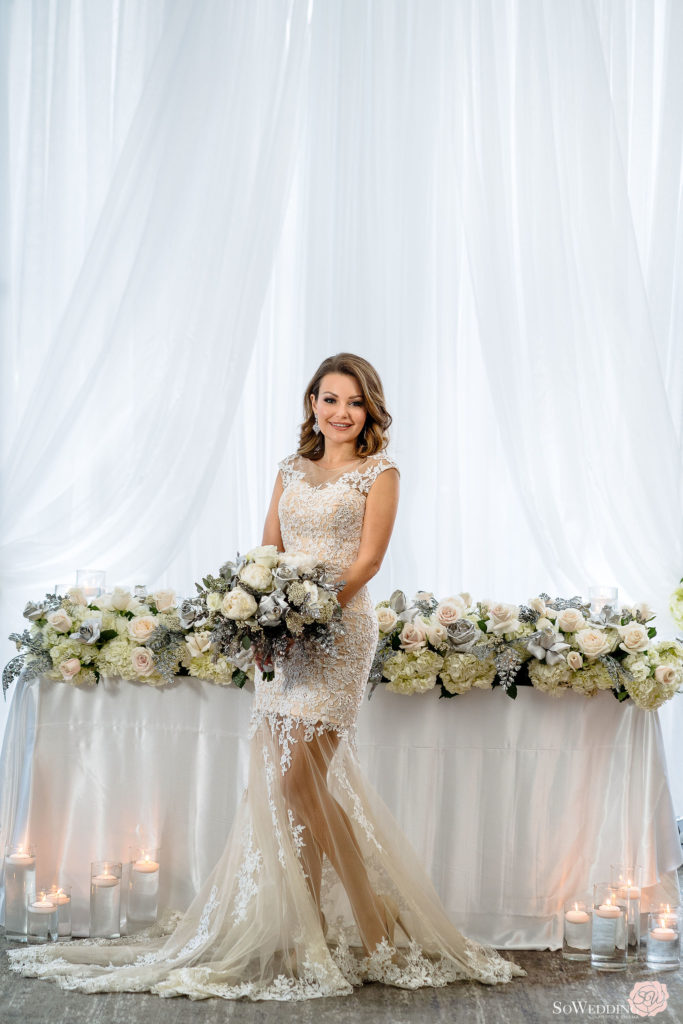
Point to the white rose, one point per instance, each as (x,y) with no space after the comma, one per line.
(466,598)
(570,620)
(142,627)
(413,636)
(437,633)
(449,610)
(103,602)
(538,605)
(198,643)
(165,600)
(544,623)
(214,602)
(70,668)
(643,610)
(666,674)
(423,595)
(143,661)
(502,618)
(76,595)
(121,599)
(257,576)
(298,560)
(386,619)
(312,591)
(593,642)
(574,660)
(60,621)
(238,604)
(634,637)
(267,555)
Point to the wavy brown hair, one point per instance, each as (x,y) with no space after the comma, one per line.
(373,437)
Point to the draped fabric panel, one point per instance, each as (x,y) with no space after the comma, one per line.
(203,200)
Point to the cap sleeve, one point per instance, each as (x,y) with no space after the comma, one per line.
(379,464)
(288,470)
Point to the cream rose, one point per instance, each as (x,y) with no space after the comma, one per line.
(70,668)
(238,604)
(165,600)
(593,642)
(198,643)
(466,598)
(538,605)
(544,623)
(266,555)
(449,610)
(643,611)
(574,660)
(386,619)
(437,634)
(570,620)
(142,627)
(634,637)
(214,602)
(60,621)
(666,674)
(257,576)
(121,599)
(502,618)
(298,560)
(77,595)
(143,661)
(413,636)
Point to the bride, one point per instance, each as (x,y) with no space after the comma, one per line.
(317,890)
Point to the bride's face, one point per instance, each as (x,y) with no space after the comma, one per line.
(340,407)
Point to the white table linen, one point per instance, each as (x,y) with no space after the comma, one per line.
(514,806)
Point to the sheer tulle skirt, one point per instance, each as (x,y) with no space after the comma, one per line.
(317,891)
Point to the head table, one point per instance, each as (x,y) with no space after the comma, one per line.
(514,806)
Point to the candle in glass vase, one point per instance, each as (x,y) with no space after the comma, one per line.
(143,894)
(105,899)
(663,940)
(577,931)
(42,918)
(20,883)
(61,897)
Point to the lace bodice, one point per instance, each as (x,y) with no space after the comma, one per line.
(322,512)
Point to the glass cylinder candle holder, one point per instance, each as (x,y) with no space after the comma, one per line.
(601,597)
(20,883)
(91,582)
(42,918)
(61,896)
(105,899)
(663,939)
(143,888)
(627,878)
(608,936)
(576,944)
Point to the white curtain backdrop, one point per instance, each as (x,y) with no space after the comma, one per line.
(201,200)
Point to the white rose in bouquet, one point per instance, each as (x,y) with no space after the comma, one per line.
(214,602)
(165,600)
(666,674)
(450,610)
(643,611)
(266,555)
(312,591)
(121,599)
(386,619)
(634,637)
(544,623)
(77,595)
(257,576)
(570,620)
(413,635)
(299,560)
(143,661)
(574,660)
(142,627)
(60,621)
(198,643)
(538,605)
(466,598)
(502,618)
(437,634)
(238,604)
(70,668)
(593,642)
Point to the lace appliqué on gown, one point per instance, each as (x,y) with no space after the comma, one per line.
(258,929)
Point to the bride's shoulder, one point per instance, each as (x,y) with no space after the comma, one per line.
(375,465)
(291,468)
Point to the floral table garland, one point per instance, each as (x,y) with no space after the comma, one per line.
(454,644)
(559,645)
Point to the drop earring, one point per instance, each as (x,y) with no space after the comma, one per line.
(316,427)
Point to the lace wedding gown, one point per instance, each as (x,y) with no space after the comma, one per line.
(315,873)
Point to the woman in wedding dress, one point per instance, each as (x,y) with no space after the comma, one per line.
(317,890)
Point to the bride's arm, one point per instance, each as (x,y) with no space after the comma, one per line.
(378,522)
(271,528)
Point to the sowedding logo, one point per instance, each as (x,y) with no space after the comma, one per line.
(648,998)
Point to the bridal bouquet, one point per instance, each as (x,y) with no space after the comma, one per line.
(266,599)
(554,645)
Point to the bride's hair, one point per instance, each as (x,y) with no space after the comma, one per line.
(373,437)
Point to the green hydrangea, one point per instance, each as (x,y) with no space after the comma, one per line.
(113,659)
(552,679)
(676,606)
(411,672)
(461,672)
